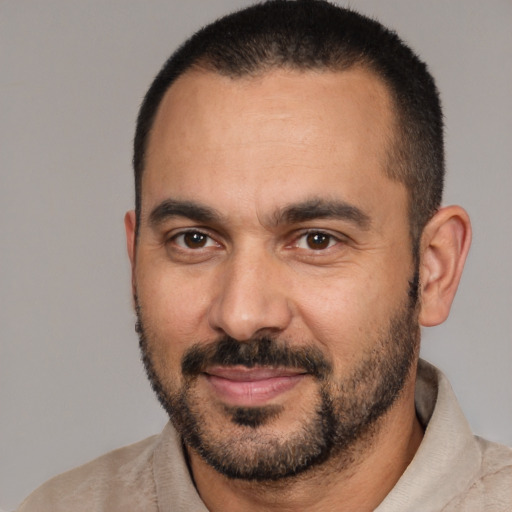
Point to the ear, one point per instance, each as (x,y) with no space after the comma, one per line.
(444,246)
(130,227)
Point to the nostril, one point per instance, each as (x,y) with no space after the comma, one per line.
(243,320)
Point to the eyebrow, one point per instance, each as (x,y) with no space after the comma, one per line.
(323,209)
(174,208)
(295,213)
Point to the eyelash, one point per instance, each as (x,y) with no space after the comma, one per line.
(331,239)
(324,237)
(183,234)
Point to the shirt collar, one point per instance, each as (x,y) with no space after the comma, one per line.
(448,458)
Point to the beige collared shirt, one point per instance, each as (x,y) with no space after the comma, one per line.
(451,471)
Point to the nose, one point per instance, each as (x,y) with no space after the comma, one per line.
(251,299)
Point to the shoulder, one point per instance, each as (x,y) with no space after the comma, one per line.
(496,469)
(110,479)
(491,489)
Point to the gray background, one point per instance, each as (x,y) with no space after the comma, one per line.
(73,73)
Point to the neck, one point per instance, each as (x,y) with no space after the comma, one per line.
(358,480)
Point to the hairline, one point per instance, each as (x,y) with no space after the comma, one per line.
(392,136)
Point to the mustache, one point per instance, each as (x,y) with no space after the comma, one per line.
(264,351)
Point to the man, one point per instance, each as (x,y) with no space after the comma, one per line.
(286,245)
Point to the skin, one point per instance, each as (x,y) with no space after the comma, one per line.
(247,149)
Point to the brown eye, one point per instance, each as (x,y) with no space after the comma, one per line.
(193,240)
(318,241)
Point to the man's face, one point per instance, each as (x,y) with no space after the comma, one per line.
(273,266)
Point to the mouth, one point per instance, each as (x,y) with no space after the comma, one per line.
(251,387)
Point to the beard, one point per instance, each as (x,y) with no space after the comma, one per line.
(342,417)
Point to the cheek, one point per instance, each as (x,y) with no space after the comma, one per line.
(346,316)
(173,310)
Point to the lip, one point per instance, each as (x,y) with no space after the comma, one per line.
(248,387)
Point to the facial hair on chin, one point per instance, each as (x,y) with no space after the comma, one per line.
(344,414)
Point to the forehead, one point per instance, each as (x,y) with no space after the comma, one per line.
(282,133)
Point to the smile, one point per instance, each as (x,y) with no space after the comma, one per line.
(246,387)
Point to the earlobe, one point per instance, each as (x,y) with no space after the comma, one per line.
(444,246)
